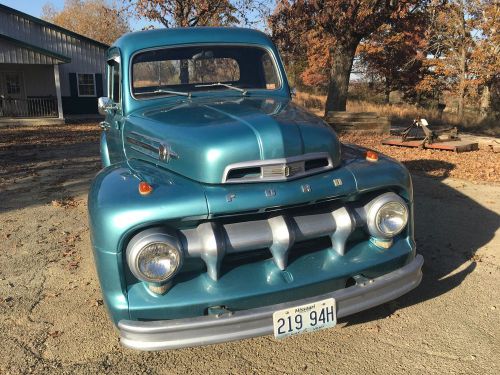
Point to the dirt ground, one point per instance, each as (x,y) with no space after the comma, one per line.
(52,319)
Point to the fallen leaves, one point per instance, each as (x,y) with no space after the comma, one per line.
(475,166)
(55,334)
(70,253)
(65,202)
(52,294)
(373,328)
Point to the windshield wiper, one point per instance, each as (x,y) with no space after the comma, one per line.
(229,86)
(161,91)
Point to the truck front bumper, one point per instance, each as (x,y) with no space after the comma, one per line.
(211,329)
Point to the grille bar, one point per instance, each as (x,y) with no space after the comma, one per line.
(211,241)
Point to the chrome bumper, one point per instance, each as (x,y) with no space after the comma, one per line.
(211,329)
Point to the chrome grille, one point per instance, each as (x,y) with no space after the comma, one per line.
(277,169)
(212,241)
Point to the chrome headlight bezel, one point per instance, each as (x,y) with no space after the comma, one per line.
(140,243)
(373,209)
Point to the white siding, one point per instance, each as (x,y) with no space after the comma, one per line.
(86,57)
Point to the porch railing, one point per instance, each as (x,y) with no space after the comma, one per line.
(30,107)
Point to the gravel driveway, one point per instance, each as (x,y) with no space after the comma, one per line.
(52,319)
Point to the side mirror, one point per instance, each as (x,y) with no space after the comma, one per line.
(104,104)
(293,92)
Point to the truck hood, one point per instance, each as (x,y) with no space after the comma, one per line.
(199,138)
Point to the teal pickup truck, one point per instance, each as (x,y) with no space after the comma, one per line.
(223,210)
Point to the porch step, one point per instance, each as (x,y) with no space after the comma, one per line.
(359,122)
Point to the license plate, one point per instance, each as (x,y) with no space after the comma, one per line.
(305,318)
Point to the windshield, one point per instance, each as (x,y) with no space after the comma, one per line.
(178,71)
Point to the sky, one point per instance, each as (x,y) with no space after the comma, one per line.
(34,8)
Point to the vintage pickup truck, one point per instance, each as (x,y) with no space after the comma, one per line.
(223,210)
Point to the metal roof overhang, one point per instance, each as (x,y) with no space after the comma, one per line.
(14,51)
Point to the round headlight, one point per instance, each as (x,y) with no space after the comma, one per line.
(391,218)
(386,215)
(154,255)
(158,261)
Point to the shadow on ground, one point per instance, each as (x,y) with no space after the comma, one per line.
(449,229)
(58,160)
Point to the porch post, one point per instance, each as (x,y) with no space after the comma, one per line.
(58,91)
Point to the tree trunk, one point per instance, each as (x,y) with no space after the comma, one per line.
(184,72)
(342,58)
(387,91)
(485,103)
(463,63)
(461,83)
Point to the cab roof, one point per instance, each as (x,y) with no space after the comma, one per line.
(131,42)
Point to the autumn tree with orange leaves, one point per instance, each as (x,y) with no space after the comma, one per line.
(100,20)
(395,54)
(463,49)
(485,58)
(186,13)
(191,13)
(333,29)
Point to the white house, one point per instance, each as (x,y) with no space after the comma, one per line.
(46,70)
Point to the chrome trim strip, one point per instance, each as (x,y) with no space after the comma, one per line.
(144,152)
(212,329)
(155,148)
(145,145)
(145,137)
(281,162)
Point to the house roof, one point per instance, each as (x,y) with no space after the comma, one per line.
(51,25)
(53,57)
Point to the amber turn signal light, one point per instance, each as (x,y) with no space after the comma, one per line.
(371,155)
(145,188)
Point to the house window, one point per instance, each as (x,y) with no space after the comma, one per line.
(86,84)
(13,83)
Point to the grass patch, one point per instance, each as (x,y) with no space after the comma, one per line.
(403,114)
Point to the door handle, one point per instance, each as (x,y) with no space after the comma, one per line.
(104,125)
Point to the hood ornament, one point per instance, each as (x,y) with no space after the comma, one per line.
(166,153)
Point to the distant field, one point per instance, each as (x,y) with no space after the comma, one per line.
(401,113)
